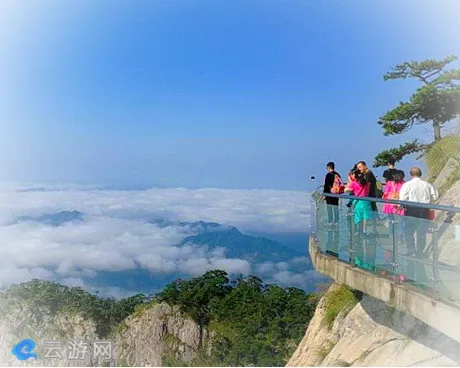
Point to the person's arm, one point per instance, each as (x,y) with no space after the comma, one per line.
(404,192)
(328,182)
(434,193)
(350,187)
(386,175)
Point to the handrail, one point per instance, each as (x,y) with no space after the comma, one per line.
(393,201)
(403,248)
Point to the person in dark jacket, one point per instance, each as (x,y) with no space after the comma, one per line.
(390,173)
(332,203)
(370,177)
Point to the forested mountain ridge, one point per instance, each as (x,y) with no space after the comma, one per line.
(207,320)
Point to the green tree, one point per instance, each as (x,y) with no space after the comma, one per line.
(253,323)
(106,312)
(435,102)
(196,297)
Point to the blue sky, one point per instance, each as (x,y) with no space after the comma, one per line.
(227,94)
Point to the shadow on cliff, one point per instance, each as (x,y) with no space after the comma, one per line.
(411,327)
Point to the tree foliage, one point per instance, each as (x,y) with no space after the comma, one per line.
(106,312)
(436,101)
(398,153)
(256,324)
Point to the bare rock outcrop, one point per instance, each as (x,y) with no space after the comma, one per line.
(159,334)
(154,336)
(447,172)
(372,334)
(448,242)
(64,339)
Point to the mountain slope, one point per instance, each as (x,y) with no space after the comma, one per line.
(210,320)
(197,226)
(238,245)
(346,331)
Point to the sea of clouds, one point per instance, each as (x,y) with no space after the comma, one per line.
(115,237)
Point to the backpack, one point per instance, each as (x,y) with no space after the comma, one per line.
(338,187)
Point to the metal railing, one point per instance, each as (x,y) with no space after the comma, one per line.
(381,238)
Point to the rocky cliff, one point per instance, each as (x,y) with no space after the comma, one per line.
(448,244)
(209,320)
(349,330)
(155,336)
(159,336)
(51,333)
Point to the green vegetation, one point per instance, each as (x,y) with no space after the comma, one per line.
(325,350)
(440,152)
(255,324)
(436,102)
(438,155)
(339,300)
(169,360)
(54,298)
(140,308)
(251,323)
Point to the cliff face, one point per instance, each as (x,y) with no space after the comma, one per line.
(159,336)
(371,334)
(155,336)
(449,246)
(23,320)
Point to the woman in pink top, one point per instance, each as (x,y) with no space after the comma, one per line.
(360,187)
(392,189)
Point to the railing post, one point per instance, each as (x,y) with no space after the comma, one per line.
(317,215)
(351,245)
(436,292)
(394,262)
(313,219)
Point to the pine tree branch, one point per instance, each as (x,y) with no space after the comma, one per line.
(397,154)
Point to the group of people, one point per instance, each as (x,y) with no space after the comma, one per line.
(363,183)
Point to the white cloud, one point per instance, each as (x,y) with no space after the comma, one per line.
(112,237)
(266,268)
(256,210)
(295,279)
(282,266)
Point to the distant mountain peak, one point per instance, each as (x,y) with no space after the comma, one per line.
(54,219)
(256,250)
(197,226)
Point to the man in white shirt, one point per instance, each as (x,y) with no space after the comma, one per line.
(417,220)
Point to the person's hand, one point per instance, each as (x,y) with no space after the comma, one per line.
(323,198)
